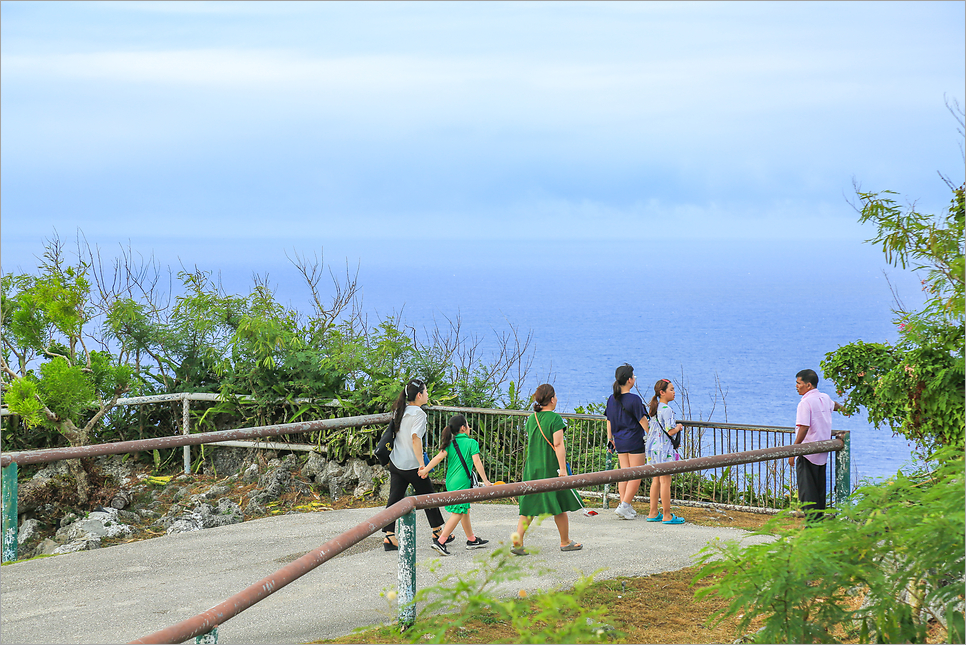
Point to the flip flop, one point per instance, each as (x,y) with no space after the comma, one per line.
(573,546)
(519,550)
(657,518)
(674,520)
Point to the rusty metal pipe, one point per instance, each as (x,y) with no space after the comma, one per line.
(176,441)
(217,615)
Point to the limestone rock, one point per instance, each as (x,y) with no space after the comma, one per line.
(314,467)
(251,474)
(98,524)
(226,461)
(116,466)
(203,516)
(27,531)
(46,547)
(29,493)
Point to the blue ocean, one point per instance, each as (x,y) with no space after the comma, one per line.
(744,315)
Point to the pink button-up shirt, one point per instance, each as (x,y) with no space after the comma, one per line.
(815,411)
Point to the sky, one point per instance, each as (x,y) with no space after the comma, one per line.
(232,132)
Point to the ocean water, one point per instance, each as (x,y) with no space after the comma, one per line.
(747,316)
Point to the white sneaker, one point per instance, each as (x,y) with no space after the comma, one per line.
(625,511)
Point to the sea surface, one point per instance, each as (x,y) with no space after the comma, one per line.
(732,323)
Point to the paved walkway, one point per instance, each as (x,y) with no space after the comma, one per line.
(118,594)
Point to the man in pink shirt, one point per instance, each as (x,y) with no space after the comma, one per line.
(813,422)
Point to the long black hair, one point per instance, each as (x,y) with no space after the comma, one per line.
(456,423)
(408,395)
(659,389)
(621,376)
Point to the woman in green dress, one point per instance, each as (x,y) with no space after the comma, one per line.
(546,457)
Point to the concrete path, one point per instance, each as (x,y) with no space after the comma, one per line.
(120,593)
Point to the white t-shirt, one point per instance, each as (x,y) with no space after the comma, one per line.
(413,422)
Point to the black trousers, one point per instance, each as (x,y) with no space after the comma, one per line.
(398,482)
(811,487)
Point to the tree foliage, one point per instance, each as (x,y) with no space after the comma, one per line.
(50,376)
(269,363)
(916,387)
(898,545)
(890,560)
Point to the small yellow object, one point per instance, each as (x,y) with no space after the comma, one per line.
(391,595)
(499,483)
(515,538)
(522,593)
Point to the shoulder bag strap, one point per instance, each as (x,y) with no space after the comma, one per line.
(462,461)
(540,428)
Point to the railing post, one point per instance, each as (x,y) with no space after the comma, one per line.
(9,482)
(843,468)
(185,430)
(406,534)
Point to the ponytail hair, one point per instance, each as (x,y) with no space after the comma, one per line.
(621,376)
(542,396)
(408,395)
(456,423)
(659,389)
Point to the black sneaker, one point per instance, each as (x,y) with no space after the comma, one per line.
(439,547)
(476,544)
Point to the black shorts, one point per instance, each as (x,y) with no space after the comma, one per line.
(639,451)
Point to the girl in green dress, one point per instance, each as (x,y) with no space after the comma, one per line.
(546,457)
(456,436)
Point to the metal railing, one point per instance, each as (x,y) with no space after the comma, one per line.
(502,437)
(207,623)
(585,436)
(762,487)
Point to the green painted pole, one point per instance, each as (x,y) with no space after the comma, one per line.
(843,469)
(211,637)
(9,495)
(406,534)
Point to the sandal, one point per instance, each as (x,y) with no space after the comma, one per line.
(519,550)
(439,531)
(657,518)
(390,543)
(674,520)
(573,546)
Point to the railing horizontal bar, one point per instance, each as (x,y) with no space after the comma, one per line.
(176,441)
(192,396)
(274,445)
(217,615)
(733,426)
(512,413)
(600,417)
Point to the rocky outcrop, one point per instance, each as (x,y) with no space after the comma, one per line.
(81,534)
(201,516)
(355,477)
(169,503)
